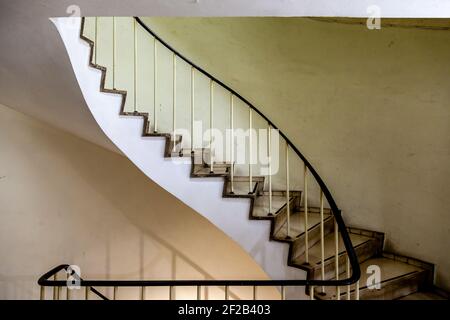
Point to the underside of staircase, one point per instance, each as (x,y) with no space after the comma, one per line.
(401,277)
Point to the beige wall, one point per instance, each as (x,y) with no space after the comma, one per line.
(65,200)
(370,109)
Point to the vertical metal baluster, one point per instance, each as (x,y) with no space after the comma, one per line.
(348,276)
(269,153)
(322,241)
(254,292)
(336,257)
(42,293)
(96,39)
(54,288)
(305,203)
(288,205)
(357,290)
(155,85)
(250,153)
(232,143)
(199,292)
(135,65)
(86,292)
(226,293)
(171,293)
(67,288)
(174,93)
(114,53)
(115,292)
(211,123)
(192,109)
(283,293)
(142,293)
(311,293)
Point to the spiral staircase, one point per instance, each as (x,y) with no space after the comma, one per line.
(338,261)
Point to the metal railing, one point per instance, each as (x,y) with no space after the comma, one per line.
(352,269)
(89,287)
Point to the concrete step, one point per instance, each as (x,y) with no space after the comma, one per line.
(366,246)
(397,279)
(297,225)
(423,295)
(261,203)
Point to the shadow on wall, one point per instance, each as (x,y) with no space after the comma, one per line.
(188,243)
(91,207)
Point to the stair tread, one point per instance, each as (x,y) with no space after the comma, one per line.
(423,295)
(329,246)
(261,205)
(297,224)
(390,271)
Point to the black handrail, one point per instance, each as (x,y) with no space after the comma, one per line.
(46,282)
(356,272)
(44,279)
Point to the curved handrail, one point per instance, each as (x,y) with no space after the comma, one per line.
(45,281)
(356,272)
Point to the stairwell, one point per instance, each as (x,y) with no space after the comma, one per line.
(303,226)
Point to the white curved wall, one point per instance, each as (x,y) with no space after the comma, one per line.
(202,195)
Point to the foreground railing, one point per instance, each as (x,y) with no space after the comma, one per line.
(177,95)
(90,288)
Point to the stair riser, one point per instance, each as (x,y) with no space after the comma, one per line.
(281,216)
(260,188)
(298,247)
(202,158)
(173,148)
(364,251)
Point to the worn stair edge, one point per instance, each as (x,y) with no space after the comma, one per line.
(372,247)
(298,246)
(364,251)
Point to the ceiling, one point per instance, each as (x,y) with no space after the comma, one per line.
(36,77)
